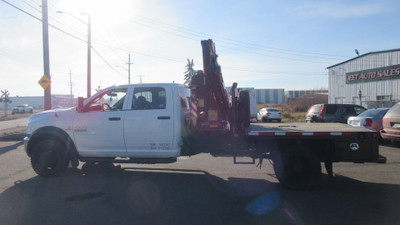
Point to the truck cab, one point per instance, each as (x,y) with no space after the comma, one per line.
(139,121)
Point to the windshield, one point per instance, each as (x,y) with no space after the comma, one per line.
(109,100)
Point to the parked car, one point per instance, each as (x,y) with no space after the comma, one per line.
(370,119)
(25,108)
(391,124)
(337,113)
(268,114)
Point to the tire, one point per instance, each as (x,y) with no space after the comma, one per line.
(279,121)
(244,108)
(264,119)
(298,168)
(49,158)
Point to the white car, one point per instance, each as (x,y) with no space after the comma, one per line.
(25,108)
(268,114)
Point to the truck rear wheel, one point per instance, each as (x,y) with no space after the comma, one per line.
(244,108)
(49,158)
(298,168)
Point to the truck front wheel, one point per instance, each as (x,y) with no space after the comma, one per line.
(298,169)
(49,158)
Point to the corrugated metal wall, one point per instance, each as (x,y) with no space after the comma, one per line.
(340,92)
(268,96)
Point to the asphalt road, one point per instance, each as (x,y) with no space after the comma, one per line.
(196,190)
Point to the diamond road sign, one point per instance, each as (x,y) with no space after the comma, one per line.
(44,82)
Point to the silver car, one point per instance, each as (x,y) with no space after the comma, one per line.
(370,119)
(269,114)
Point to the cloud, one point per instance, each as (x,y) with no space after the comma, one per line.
(339,10)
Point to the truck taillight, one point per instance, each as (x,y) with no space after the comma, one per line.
(367,122)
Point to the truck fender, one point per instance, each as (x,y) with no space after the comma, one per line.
(57,133)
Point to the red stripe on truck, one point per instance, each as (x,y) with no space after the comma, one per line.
(260,133)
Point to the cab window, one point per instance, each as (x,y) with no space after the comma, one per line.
(148,98)
(111,100)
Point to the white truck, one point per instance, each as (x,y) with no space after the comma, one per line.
(157,123)
(25,108)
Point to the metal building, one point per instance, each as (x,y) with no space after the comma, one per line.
(268,96)
(300,93)
(371,80)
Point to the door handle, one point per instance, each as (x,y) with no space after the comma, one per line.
(164,117)
(114,118)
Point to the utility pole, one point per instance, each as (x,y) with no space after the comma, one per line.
(89,59)
(70,86)
(140,77)
(89,49)
(129,68)
(46,57)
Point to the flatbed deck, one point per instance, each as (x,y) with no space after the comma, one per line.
(302,129)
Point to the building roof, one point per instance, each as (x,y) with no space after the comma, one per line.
(369,53)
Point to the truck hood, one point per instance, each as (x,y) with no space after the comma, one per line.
(61,118)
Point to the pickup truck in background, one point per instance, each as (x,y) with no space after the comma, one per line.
(157,123)
(25,108)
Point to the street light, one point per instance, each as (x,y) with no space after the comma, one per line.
(89,48)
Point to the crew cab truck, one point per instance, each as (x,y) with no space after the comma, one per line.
(157,123)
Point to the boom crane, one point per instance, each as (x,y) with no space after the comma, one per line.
(217,111)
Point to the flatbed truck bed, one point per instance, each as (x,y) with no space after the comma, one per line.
(302,129)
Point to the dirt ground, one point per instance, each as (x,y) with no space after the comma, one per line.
(16,133)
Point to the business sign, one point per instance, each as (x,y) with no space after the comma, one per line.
(383,73)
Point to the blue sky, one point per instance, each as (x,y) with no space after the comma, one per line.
(261,44)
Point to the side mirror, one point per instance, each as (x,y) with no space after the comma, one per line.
(80,108)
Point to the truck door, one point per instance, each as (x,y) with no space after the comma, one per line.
(98,130)
(148,127)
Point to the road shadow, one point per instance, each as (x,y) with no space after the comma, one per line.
(137,195)
(10,147)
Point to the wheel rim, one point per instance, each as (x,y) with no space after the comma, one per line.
(47,159)
(298,169)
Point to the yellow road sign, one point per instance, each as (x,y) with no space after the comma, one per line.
(44,82)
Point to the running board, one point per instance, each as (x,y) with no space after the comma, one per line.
(129,160)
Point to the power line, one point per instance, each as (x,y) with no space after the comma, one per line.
(239,46)
(73,36)
(31,6)
(107,62)
(142,19)
(315,73)
(37,18)
(152,55)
